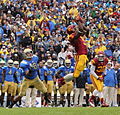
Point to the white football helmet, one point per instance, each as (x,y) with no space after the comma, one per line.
(28,53)
(67,63)
(16,64)
(49,63)
(2,63)
(101,56)
(10,63)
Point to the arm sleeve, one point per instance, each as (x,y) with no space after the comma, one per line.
(77,35)
(116,81)
(15,77)
(92,71)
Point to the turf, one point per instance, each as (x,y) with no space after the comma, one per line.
(61,111)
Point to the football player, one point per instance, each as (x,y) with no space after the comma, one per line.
(42,78)
(19,75)
(89,86)
(67,86)
(42,71)
(76,37)
(9,75)
(56,66)
(50,76)
(2,63)
(98,66)
(30,69)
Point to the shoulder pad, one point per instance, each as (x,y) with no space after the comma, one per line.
(14,67)
(106,60)
(44,67)
(61,67)
(23,64)
(35,57)
(94,61)
(53,68)
(20,69)
(4,67)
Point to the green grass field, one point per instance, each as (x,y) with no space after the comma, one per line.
(61,111)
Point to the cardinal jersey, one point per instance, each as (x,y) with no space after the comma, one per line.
(99,66)
(79,44)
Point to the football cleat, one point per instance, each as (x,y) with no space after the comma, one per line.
(91,102)
(104,105)
(10,106)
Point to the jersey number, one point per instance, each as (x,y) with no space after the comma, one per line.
(101,69)
(10,72)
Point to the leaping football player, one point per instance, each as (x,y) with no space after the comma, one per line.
(76,37)
(68,86)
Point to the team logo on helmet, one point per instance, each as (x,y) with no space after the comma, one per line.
(2,63)
(49,63)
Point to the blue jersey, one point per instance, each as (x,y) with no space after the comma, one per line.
(50,73)
(31,66)
(56,70)
(110,78)
(65,70)
(42,73)
(9,73)
(1,70)
(19,75)
(88,76)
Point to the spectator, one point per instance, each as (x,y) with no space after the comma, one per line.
(80,88)
(108,52)
(16,55)
(31,92)
(117,70)
(42,25)
(110,81)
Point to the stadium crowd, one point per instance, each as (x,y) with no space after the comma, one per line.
(40,25)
